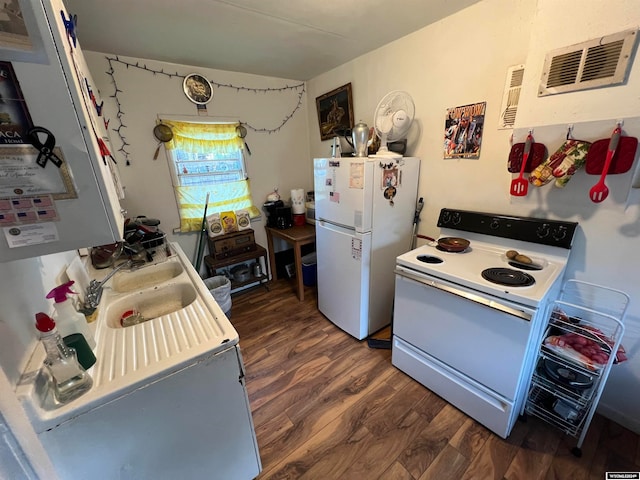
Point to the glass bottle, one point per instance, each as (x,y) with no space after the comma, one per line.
(67,377)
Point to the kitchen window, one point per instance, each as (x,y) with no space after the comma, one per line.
(207,158)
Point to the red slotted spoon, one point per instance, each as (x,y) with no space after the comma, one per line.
(520,186)
(600,191)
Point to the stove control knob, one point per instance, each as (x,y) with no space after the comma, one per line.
(456,218)
(495,224)
(446,217)
(560,233)
(543,230)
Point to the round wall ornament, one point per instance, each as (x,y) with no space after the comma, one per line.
(197,89)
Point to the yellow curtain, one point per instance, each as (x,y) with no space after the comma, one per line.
(198,137)
(191,202)
(221,138)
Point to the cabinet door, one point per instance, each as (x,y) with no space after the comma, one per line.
(13,462)
(193,423)
(57,97)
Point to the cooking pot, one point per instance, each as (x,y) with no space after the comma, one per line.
(104,256)
(448,244)
(241,273)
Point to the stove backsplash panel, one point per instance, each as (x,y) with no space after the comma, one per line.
(555,233)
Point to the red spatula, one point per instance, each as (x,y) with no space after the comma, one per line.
(519,185)
(600,191)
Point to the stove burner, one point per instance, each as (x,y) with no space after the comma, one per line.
(507,276)
(525,266)
(429,259)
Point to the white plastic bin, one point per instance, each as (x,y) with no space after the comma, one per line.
(220,288)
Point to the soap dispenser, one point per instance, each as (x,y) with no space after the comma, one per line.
(66,376)
(68,319)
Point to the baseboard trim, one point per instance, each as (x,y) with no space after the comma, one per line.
(620,418)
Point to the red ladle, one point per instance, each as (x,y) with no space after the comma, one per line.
(600,191)
(520,186)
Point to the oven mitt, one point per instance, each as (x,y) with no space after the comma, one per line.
(562,164)
(575,158)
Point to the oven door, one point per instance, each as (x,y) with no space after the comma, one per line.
(483,338)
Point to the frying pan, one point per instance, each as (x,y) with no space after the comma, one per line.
(241,130)
(448,244)
(103,256)
(163,134)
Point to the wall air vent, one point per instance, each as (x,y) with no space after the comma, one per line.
(511,96)
(596,63)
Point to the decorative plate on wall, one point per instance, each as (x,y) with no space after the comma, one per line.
(197,89)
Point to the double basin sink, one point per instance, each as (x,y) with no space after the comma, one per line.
(150,291)
(181,323)
(177,317)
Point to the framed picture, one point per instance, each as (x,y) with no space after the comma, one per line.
(197,89)
(335,112)
(20,39)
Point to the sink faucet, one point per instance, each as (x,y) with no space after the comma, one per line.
(94,290)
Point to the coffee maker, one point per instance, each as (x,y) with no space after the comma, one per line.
(278,215)
(284,217)
(269,208)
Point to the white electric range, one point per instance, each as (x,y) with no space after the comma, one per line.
(467,324)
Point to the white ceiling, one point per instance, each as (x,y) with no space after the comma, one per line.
(293,39)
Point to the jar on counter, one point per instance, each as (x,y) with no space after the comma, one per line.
(257,269)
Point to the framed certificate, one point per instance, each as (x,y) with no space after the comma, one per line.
(197,89)
(21,175)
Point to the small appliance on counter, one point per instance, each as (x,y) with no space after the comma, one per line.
(311,212)
(298,206)
(269,208)
(284,217)
(278,215)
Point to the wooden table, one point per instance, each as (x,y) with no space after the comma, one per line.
(297,236)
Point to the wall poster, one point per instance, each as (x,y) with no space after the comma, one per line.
(463,131)
(15,120)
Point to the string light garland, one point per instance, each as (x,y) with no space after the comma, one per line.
(300,88)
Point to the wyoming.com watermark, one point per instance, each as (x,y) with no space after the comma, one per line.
(625,475)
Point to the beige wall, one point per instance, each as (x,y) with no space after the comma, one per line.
(456,61)
(278,159)
(464,59)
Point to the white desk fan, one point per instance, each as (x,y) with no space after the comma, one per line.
(392,120)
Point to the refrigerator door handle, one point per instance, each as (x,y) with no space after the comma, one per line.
(341,225)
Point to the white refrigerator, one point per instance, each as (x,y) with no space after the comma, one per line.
(364,220)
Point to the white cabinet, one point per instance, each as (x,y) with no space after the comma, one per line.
(193,423)
(13,463)
(60,97)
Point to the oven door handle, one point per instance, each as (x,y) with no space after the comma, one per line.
(430,282)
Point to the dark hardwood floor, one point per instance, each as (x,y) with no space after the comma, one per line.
(326,406)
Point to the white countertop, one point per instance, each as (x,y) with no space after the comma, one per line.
(128,358)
